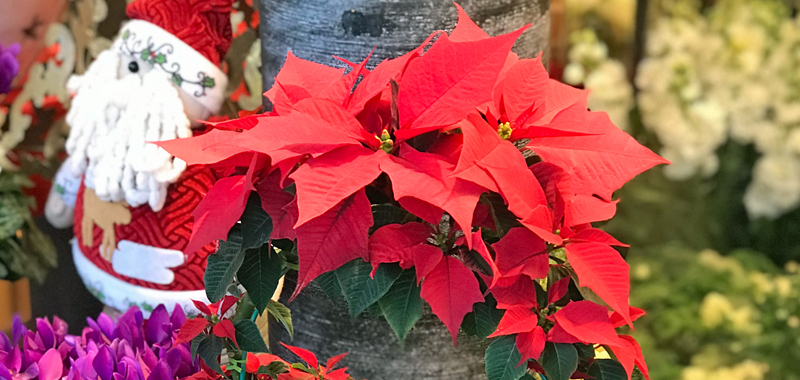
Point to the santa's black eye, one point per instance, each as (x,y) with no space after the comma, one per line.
(133,67)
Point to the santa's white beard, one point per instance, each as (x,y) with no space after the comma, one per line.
(112,122)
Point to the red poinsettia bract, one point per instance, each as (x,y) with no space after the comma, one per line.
(435,132)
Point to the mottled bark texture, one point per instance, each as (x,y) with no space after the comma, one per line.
(315,30)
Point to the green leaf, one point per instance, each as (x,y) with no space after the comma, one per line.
(483,319)
(256,223)
(585,351)
(282,313)
(361,291)
(273,369)
(209,350)
(244,309)
(502,358)
(223,265)
(384,214)
(330,284)
(161,58)
(402,304)
(126,34)
(260,273)
(196,343)
(559,360)
(249,336)
(177,79)
(607,369)
(145,54)
(208,82)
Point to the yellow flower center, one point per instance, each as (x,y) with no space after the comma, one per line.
(504,130)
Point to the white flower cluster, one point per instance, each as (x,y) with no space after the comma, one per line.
(605,78)
(732,73)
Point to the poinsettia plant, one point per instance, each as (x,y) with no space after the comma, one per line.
(457,173)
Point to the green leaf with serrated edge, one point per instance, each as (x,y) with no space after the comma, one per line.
(195,343)
(384,214)
(502,358)
(273,369)
(209,350)
(483,319)
(260,273)
(256,223)
(402,304)
(360,291)
(330,285)
(222,265)
(208,82)
(161,58)
(249,336)
(282,313)
(145,54)
(559,360)
(607,369)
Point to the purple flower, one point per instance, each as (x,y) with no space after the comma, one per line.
(9,67)
(128,349)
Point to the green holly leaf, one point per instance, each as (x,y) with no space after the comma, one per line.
(161,58)
(283,315)
(177,79)
(145,54)
(607,369)
(209,350)
(208,82)
(249,336)
(224,264)
(260,273)
(402,304)
(502,358)
(361,291)
(126,34)
(559,360)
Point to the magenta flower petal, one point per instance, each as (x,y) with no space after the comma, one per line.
(5,343)
(18,330)
(161,372)
(154,330)
(178,317)
(107,326)
(45,331)
(51,365)
(103,363)
(5,374)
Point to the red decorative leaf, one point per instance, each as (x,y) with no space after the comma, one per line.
(617,320)
(304,354)
(451,80)
(638,358)
(334,238)
(207,148)
(586,321)
(558,290)
(516,320)
(326,180)
(601,269)
(479,246)
(219,210)
(190,329)
(300,79)
(525,84)
(202,307)
(332,362)
(399,243)
(466,29)
(427,177)
(521,293)
(520,251)
(451,289)
(280,205)
(224,329)
(227,303)
(531,344)
(597,236)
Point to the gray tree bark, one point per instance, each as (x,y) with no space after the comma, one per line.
(315,30)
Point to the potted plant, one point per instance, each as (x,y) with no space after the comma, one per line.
(458,176)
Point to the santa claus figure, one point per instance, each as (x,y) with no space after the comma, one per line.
(129,200)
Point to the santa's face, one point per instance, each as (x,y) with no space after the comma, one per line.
(121,105)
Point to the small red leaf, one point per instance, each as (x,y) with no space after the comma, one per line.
(202,307)
(558,290)
(451,289)
(224,329)
(227,303)
(521,293)
(190,329)
(597,236)
(601,269)
(332,362)
(586,321)
(397,243)
(304,354)
(516,320)
(333,238)
(520,251)
(219,210)
(531,344)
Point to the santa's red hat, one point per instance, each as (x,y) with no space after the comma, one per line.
(187,39)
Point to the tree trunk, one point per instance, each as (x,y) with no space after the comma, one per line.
(315,30)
